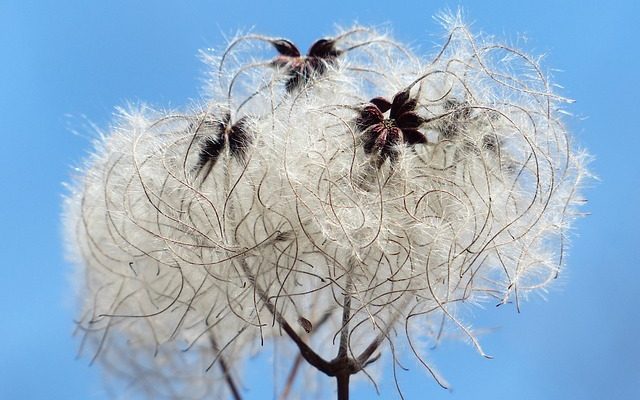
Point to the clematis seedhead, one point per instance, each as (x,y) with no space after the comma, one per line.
(382,134)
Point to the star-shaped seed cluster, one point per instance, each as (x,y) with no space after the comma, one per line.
(381,135)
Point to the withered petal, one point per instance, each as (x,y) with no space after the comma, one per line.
(408,106)
(394,136)
(369,138)
(398,101)
(286,48)
(369,115)
(409,120)
(413,136)
(383,137)
(383,104)
(323,48)
(210,151)
(239,139)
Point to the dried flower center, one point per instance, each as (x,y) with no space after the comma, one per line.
(389,123)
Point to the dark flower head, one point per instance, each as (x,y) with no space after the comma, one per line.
(324,49)
(381,134)
(220,132)
(301,68)
(286,48)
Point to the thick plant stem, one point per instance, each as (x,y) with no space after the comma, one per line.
(343,385)
(342,360)
(230,382)
(346,315)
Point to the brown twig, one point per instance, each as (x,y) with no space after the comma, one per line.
(296,364)
(225,369)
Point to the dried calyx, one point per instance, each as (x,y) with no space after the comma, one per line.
(299,68)
(219,132)
(381,135)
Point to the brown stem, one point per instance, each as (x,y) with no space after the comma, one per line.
(366,354)
(346,314)
(296,364)
(307,352)
(225,370)
(343,366)
(343,363)
(364,358)
(343,385)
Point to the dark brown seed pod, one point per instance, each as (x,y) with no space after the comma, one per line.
(300,69)
(220,132)
(380,134)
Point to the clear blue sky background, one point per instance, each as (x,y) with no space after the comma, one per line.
(63,60)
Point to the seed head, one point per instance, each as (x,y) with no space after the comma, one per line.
(361,224)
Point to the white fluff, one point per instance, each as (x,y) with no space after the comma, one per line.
(170,259)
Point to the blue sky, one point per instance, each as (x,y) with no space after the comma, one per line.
(66,65)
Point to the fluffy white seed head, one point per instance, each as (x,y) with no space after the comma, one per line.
(204,230)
